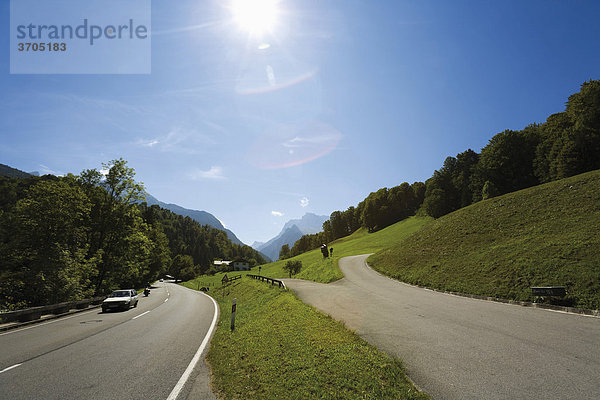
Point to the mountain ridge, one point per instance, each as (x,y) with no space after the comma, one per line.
(309,224)
(10,172)
(202,217)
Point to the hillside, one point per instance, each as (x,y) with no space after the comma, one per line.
(202,217)
(11,172)
(540,236)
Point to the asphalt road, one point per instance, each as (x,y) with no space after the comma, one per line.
(460,348)
(141,353)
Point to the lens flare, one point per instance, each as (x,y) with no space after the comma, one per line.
(291,145)
(255,16)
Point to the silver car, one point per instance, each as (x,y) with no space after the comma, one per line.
(120,300)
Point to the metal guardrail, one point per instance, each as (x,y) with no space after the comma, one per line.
(33,313)
(265,278)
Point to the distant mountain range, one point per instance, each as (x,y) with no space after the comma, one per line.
(292,231)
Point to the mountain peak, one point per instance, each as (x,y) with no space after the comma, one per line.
(293,230)
(309,223)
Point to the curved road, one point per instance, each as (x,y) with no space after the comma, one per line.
(137,354)
(460,348)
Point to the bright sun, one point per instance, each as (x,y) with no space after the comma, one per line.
(257,17)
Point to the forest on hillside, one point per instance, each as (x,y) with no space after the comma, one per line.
(567,144)
(72,237)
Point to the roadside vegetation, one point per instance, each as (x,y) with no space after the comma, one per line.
(542,236)
(68,238)
(318,269)
(283,348)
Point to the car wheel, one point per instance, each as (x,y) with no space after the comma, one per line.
(135,305)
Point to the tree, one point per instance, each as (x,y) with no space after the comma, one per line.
(352,216)
(181,266)
(401,203)
(284,252)
(293,267)
(114,219)
(441,196)
(418,189)
(570,141)
(339,228)
(508,159)
(462,177)
(368,217)
(48,244)
(554,158)
(436,204)
(489,190)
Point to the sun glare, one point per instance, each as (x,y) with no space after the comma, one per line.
(257,17)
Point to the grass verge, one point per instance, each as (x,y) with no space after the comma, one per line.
(284,349)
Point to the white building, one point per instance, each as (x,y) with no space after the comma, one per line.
(241,265)
(221,264)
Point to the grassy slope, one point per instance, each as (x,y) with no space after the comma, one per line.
(282,348)
(541,236)
(317,269)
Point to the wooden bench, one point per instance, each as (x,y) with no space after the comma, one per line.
(549,291)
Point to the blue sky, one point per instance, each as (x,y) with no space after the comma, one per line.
(348,97)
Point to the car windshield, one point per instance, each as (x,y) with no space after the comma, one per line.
(120,293)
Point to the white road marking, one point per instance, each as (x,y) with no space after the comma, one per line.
(9,368)
(177,389)
(144,313)
(167,299)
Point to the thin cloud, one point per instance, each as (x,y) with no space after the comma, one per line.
(277,213)
(177,140)
(185,29)
(214,173)
(149,144)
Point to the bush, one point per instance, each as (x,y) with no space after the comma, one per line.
(293,267)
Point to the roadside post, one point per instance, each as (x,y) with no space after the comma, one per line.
(259,268)
(233,307)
